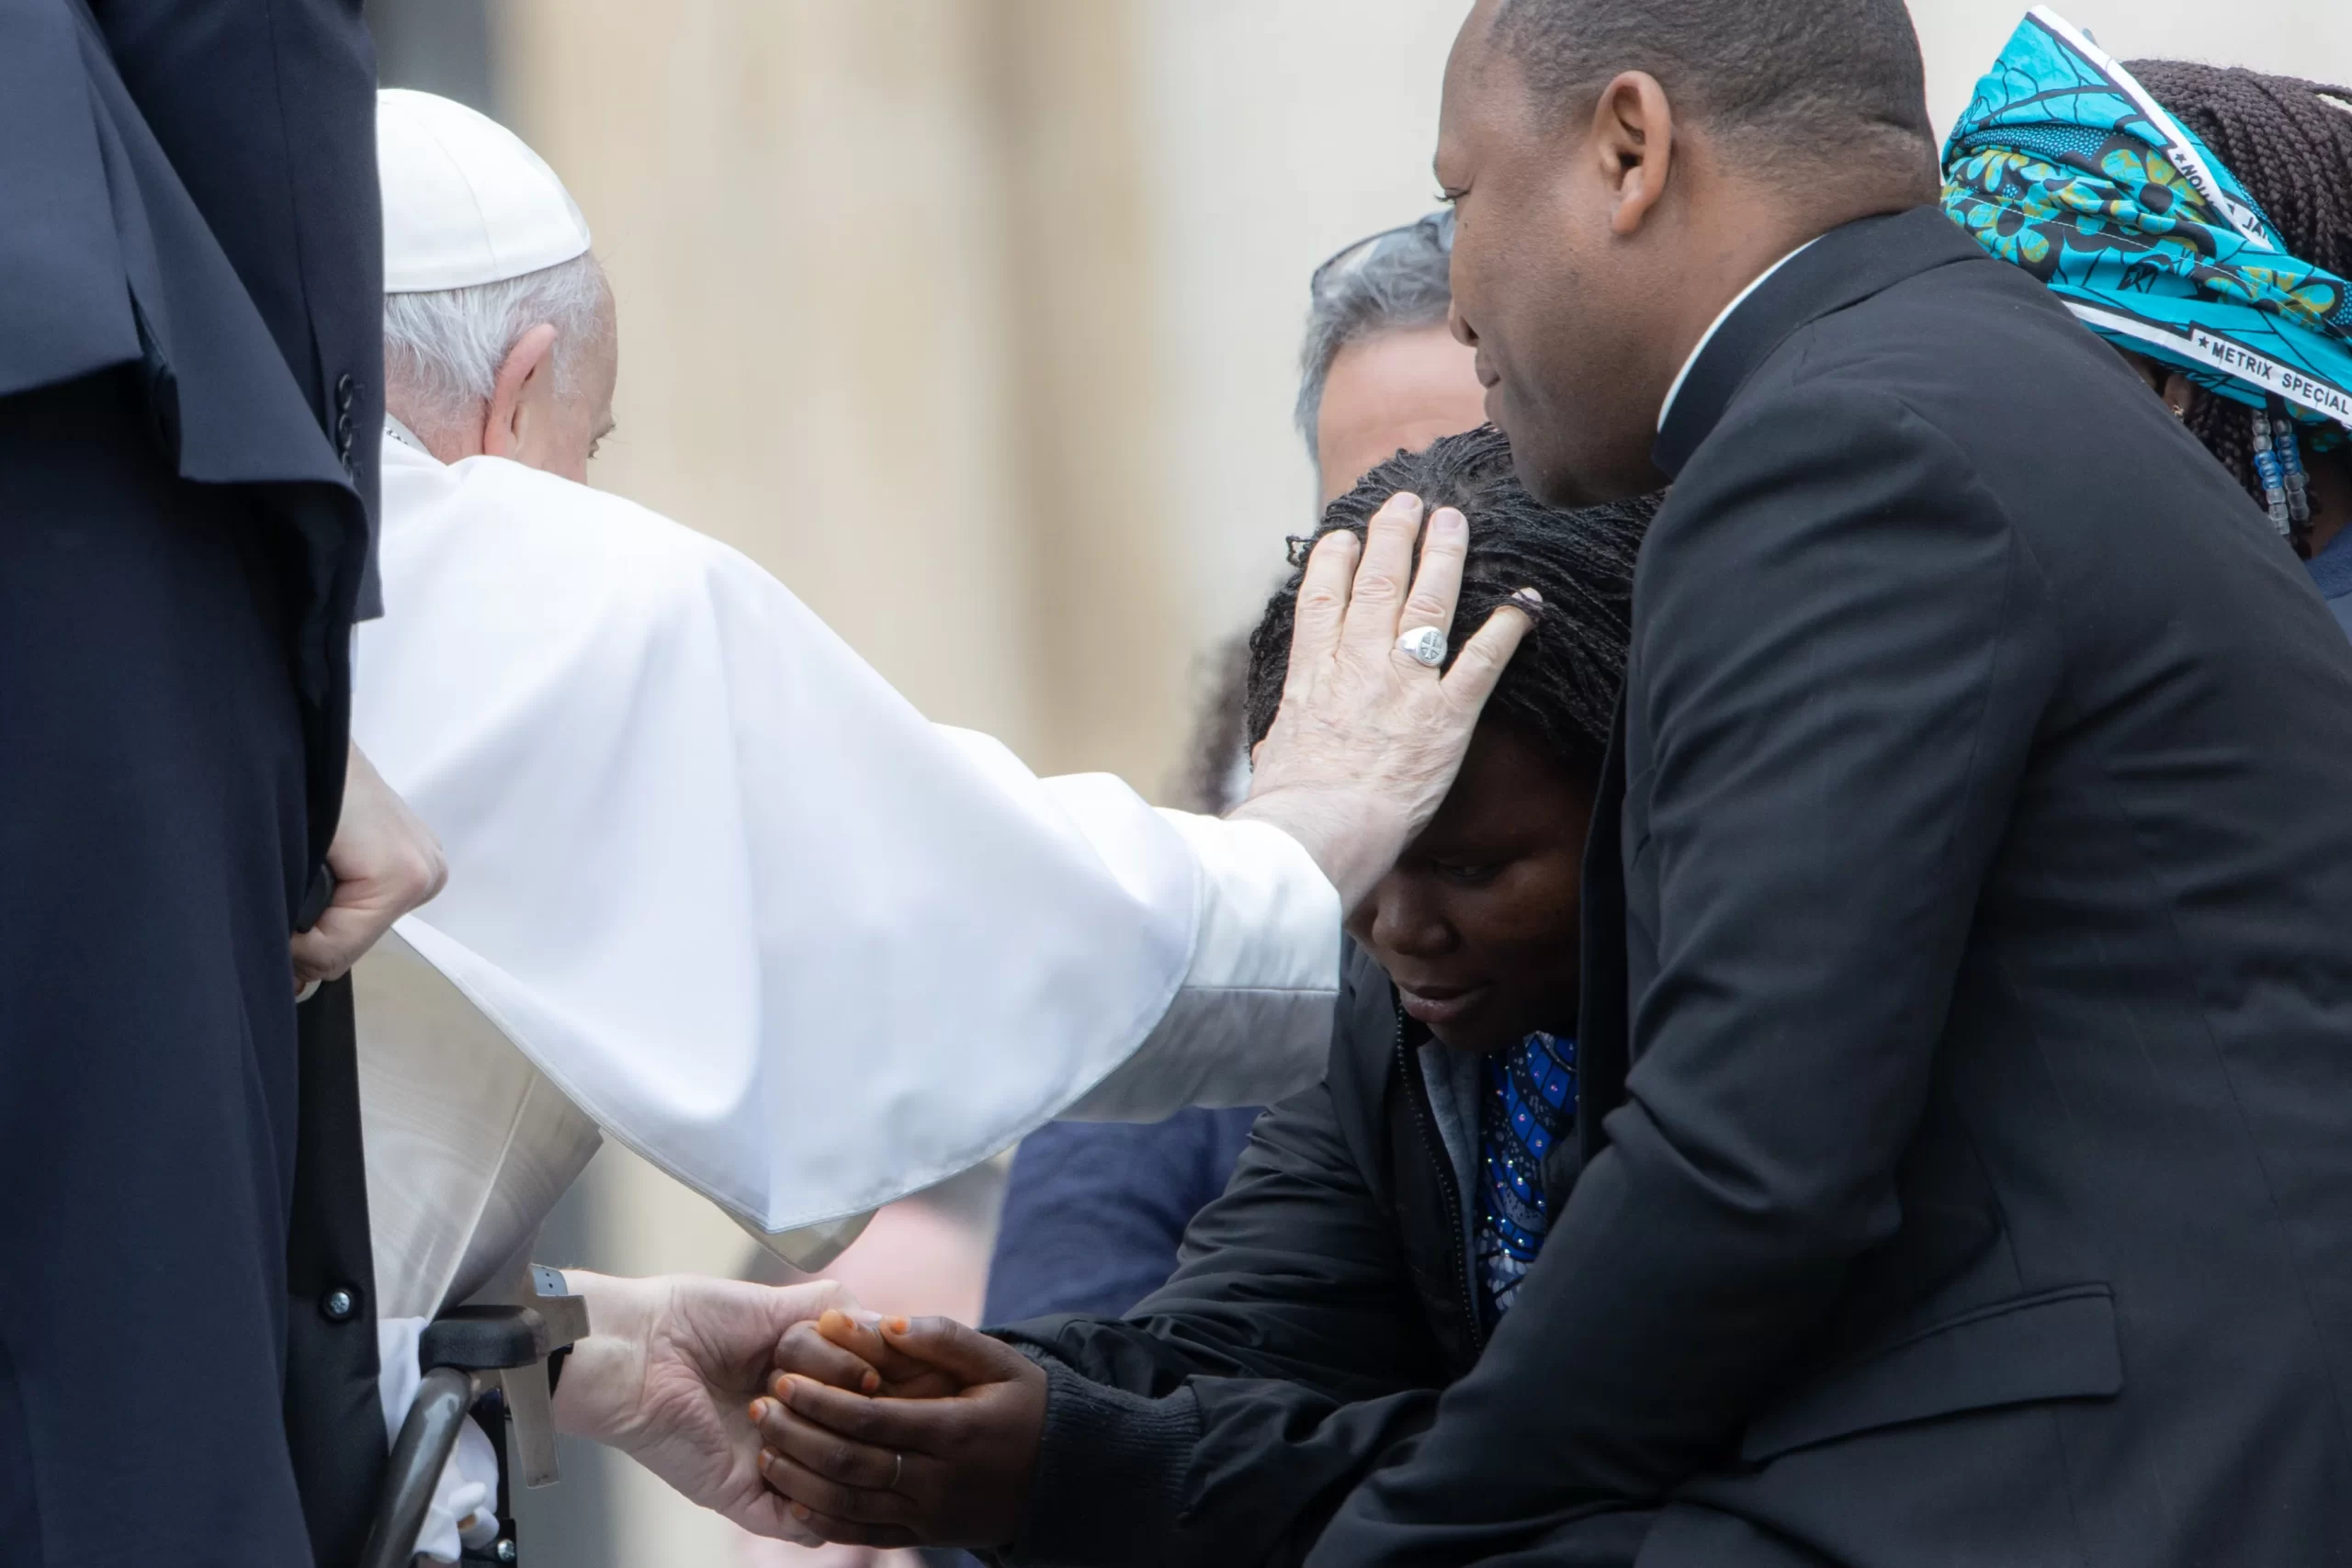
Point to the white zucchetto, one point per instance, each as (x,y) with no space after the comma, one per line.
(465,201)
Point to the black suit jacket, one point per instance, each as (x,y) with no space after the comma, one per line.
(189,189)
(1968,1096)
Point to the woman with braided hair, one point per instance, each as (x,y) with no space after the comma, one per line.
(2290,141)
(2199,218)
(1378,1226)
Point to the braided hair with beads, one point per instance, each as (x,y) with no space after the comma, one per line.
(1560,688)
(2289,142)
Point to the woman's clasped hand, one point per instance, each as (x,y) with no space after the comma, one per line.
(898,1431)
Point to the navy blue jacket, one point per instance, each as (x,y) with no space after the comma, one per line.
(189,203)
(190,188)
(2331,573)
(1095,1210)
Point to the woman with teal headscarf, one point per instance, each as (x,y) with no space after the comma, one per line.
(2199,218)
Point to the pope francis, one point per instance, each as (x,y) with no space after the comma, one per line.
(715,889)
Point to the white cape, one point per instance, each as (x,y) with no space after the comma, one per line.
(748,909)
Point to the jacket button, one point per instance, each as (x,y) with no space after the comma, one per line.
(345,391)
(338,1304)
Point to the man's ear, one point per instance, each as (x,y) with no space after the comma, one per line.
(1633,137)
(521,385)
(2179,394)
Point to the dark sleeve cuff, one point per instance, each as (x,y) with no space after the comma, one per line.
(1110,1479)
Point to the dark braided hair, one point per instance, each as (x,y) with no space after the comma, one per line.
(2292,152)
(1561,686)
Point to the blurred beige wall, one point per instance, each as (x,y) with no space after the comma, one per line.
(801,207)
(883,286)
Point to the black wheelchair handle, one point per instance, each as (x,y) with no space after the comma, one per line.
(426,1441)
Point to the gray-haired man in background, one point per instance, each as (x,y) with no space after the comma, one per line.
(1380,372)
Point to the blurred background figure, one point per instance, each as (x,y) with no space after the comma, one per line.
(1039,257)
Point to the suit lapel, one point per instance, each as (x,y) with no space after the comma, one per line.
(1843,267)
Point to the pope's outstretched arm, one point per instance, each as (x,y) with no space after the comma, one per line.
(806,951)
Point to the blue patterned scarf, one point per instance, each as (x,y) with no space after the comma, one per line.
(1530,1105)
(2066,166)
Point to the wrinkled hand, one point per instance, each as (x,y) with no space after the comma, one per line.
(934,1469)
(386,861)
(667,1372)
(1368,740)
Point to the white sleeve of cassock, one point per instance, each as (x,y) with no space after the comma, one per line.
(751,912)
(1252,1021)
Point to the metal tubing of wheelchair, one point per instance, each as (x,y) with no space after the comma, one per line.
(426,1439)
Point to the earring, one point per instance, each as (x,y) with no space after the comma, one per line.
(2289,446)
(2274,480)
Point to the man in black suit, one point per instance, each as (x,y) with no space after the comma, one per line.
(1965,1159)
(191,389)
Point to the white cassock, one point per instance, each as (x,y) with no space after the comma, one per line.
(717,891)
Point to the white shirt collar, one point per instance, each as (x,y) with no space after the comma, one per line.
(1716,325)
(395,430)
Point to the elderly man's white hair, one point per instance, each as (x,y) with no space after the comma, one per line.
(443,348)
(481,242)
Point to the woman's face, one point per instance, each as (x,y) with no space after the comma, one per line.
(1478,923)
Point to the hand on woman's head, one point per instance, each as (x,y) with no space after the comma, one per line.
(1482,898)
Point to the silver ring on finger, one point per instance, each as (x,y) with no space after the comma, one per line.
(1424,646)
(898,1469)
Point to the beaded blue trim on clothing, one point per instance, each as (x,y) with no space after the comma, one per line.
(1530,1105)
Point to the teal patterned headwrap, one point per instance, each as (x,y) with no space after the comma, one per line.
(2067,167)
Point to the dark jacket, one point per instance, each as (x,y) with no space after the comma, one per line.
(1095,1211)
(190,203)
(1967,1048)
(191,187)
(1319,1306)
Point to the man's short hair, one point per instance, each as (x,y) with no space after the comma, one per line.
(1808,81)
